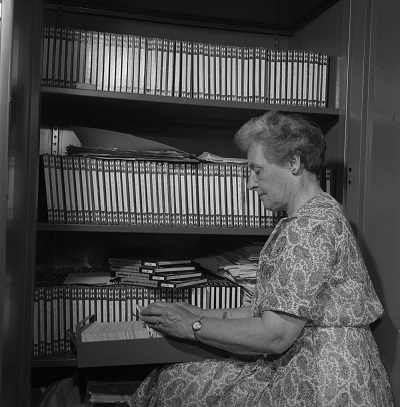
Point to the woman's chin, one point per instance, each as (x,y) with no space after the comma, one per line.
(266,202)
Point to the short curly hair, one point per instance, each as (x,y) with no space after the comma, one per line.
(281,136)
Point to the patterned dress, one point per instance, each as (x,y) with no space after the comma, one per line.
(311,267)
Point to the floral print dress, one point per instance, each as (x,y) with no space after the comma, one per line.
(310,267)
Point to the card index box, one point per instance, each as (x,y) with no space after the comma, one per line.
(140,351)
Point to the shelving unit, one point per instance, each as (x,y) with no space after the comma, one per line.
(153,229)
(190,124)
(341,28)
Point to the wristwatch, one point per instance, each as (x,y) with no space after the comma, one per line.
(196,326)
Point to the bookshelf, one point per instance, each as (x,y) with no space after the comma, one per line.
(189,123)
(193,125)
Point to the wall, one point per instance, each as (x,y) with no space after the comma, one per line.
(381,221)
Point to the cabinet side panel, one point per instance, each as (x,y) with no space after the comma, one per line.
(19,105)
(381,220)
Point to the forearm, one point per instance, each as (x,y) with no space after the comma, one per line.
(235,330)
(228,313)
(242,336)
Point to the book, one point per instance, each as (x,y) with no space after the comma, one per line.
(120,198)
(212,74)
(140,282)
(136,64)
(125,192)
(159,269)
(54,188)
(311,101)
(45,164)
(183,283)
(88,58)
(195,62)
(124,63)
(206,71)
(102,194)
(159,65)
(113,62)
(125,261)
(131,193)
(66,183)
(201,70)
(46,34)
(151,66)
(223,72)
(164,67)
(295,72)
(69,58)
(178,194)
(166,276)
(166,263)
(160,191)
(142,65)
(234,72)
(189,75)
(240,75)
(184,63)
(177,69)
(217,72)
(107,191)
(131,274)
(60,189)
(289,77)
(125,267)
(63,56)
(96,197)
(284,77)
(129,56)
(250,76)
(51,55)
(171,64)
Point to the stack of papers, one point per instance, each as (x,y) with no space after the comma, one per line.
(88,278)
(113,331)
(209,157)
(155,155)
(238,264)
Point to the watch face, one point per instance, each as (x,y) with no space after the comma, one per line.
(196,325)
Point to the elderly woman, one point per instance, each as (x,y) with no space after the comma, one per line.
(305,340)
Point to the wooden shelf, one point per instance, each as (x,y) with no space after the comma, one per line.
(252,16)
(63,359)
(67,103)
(55,227)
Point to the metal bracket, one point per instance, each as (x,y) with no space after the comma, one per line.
(276,41)
(55,139)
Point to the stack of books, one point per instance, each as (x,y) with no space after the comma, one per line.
(114,62)
(156,273)
(59,308)
(118,191)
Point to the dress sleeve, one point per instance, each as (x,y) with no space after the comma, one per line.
(294,268)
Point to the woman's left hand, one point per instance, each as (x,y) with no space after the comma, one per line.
(169,318)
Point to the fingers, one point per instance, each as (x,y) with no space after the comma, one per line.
(153,320)
(160,308)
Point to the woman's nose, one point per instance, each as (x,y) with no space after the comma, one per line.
(252,181)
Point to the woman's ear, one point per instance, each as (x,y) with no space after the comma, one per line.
(295,163)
